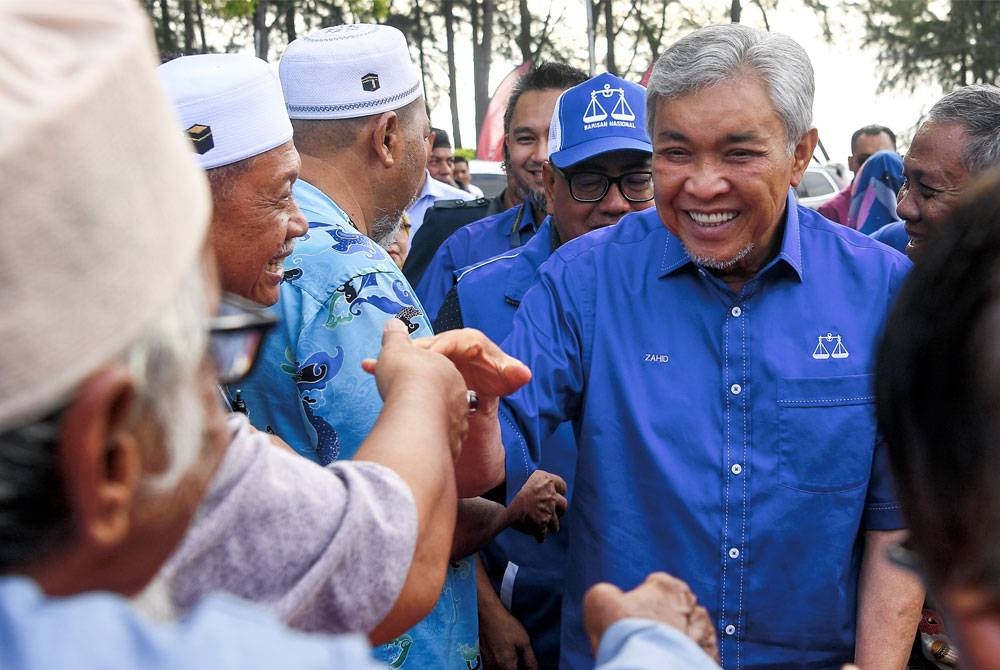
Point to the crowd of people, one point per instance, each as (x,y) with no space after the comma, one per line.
(287,391)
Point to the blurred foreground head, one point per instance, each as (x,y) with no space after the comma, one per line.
(939,408)
(104,214)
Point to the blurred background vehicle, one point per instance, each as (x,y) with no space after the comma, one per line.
(818,185)
(489,176)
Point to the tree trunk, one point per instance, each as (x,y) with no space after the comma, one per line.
(168,44)
(261,37)
(482,55)
(188,14)
(448,9)
(201,26)
(735,10)
(418,36)
(609,35)
(290,33)
(524,40)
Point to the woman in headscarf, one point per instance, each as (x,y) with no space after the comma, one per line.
(873,195)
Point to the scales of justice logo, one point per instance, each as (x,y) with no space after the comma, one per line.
(821,353)
(597,115)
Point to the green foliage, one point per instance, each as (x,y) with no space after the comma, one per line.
(234,9)
(948,42)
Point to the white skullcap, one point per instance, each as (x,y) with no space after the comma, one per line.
(348,71)
(230,106)
(103,210)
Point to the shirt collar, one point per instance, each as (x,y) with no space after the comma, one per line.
(675,256)
(524,269)
(311,200)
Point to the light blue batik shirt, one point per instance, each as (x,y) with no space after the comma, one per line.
(309,389)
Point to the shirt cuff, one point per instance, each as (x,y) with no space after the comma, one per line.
(884,516)
(636,644)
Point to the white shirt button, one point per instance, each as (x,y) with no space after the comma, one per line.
(734,553)
(730,629)
(736,389)
(736,311)
(736,469)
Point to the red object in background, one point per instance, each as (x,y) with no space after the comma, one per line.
(645,77)
(489,147)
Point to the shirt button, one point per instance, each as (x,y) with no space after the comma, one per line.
(734,553)
(736,311)
(736,469)
(736,389)
(730,629)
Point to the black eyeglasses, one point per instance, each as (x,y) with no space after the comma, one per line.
(236,335)
(593,186)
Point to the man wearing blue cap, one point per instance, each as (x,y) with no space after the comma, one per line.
(598,170)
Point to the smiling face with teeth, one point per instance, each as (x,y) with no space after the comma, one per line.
(255,222)
(721,172)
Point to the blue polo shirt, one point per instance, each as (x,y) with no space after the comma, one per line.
(727,438)
(470,244)
(528,575)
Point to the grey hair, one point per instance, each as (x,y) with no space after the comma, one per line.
(34,513)
(715,53)
(223,179)
(977,109)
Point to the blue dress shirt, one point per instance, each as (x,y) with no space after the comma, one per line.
(528,575)
(726,438)
(470,244)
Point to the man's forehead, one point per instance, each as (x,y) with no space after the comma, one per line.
(872,143)
(937,150)
(534,106)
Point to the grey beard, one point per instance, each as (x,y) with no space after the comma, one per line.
(721,265)
(384,229)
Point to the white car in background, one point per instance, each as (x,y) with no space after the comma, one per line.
(489,176)
(819,184)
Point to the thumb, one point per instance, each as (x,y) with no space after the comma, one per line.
(394,331)
(394,334)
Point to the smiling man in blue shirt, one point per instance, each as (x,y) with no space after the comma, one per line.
(715,356)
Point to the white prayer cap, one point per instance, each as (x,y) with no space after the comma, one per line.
(102,209)
(230,105)
(348,71)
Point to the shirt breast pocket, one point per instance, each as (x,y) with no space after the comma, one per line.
(827,432)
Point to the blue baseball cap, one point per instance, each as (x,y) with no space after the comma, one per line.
(604,113)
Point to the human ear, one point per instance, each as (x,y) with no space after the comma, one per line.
(386,138)
(802,154)
(99,457)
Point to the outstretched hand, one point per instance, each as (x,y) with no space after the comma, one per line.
(661,598)
(487,370)
(411,371)
(538,506)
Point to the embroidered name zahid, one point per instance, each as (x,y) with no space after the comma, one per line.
(655,358)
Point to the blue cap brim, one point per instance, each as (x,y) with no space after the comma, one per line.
(572,155)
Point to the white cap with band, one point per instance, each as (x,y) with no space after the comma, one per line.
(348,71)
(103,210)
(230,105)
